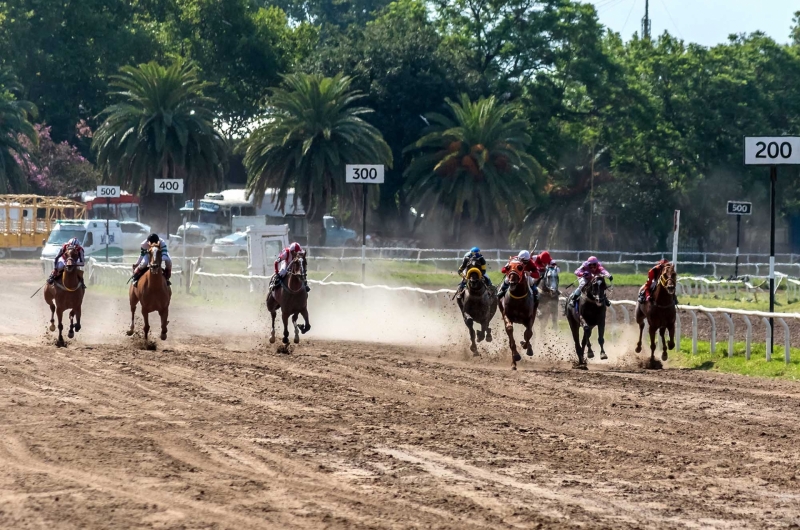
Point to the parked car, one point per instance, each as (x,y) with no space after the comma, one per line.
(336,235)
(232,245)
(133,234)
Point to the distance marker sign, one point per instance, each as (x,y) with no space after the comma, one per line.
(364,174)
(771,150)
(740,208)
(107,192)
(168,185)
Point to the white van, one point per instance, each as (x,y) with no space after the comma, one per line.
(91,234)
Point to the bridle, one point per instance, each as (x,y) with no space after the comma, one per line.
(474,278)
(69,266)
(515,276)
(155,258)
(292,270)
(550,281)
(595,290)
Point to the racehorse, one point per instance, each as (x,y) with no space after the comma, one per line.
(518,306)
(548,295)
(292,299)
(479,304)
(67,293)
(591,313)
(153,292)
(660,313)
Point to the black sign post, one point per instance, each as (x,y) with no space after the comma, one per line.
(739,209)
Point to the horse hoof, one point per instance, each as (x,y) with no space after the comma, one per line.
(481,336)
(296,339)
(305,329)
(488,337)
(671,346)
(516,357)
(513,366)
(272,340)
(60,342)
(639,348)
(603,356)
(163,336)
(52,327)
(590,354)
(580,366)
(473,349)
(71,335)
(77,328)
(129,332)
(285,340)
(664,356)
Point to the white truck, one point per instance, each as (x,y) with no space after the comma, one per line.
(264,244)
(92,235)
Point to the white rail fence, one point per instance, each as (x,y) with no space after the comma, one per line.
(237,286)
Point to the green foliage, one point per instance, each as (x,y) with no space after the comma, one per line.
(311,130)
(757,366)
(474,165)
(17,134)
(161,128)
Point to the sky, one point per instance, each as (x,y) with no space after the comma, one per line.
(706,22)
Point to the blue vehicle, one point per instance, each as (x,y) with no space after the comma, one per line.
(338,236)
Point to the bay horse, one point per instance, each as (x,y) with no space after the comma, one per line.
(292,299)
(660,313)
(479,304)
(591,313)
(66,293)
(549,295)
(518,306)
(152,292)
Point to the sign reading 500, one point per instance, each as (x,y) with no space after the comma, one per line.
(364,174)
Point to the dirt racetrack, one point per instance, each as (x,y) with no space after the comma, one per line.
(215,429)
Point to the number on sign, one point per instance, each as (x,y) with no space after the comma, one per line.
(365,173)
(168,185)
(773,150)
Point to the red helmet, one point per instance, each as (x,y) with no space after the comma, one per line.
(545,257)
(295,247)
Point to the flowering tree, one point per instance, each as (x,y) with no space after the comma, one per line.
(57,168)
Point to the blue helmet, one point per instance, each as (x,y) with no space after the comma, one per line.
(73,242)
(475,250)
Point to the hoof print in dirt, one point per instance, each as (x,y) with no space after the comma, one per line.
(650,364)
(284,348)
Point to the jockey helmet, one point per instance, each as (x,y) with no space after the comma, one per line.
(295,247)
(545,257)
(592,261)
(524,255)
(475,250)
(73,242)
(153,238)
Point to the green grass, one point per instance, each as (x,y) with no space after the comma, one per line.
(746,301)
(757,366)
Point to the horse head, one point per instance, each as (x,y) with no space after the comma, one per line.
(669,278)
(155,258)
(474,278)
(295,273)
(550,283)
(597,290)
(70,257)
(516,272)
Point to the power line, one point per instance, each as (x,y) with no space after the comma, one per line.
(627,18)
(671,19)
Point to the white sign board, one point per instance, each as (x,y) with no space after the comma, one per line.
(107,192)
(771,150)
(740,208)
(364,174)
(169,185)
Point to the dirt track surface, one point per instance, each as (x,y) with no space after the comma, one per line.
(223,432)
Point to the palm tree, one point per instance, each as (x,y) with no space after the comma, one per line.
(16,134)
(161,128)
(473,165)
(311,131)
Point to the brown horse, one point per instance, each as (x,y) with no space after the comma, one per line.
(67,293)
(153,292)
(660,313)
(518,306)
(291,298)
(549,296)
(478,305)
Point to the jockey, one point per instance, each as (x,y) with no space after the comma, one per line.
(530,267)
(144,258)
(286,256)
(475,257)
(542,261)
(60,262)
(587,272)
(652,277)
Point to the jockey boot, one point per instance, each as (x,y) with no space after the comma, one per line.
(503,288)
(642,296)
(136,275)
(607,301)
(167,276)
(52,278)
(308,289)
(488,281)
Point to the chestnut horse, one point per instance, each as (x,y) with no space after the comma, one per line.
(153,292)
(292,299)
(518,306)
(660,313)
(67,293)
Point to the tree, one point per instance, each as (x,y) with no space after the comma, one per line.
(161,128)
(474,166)
(311,131)
(16,134)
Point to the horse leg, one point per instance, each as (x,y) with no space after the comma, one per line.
(652,331)
(146,318)
(663,344)
(641,330)
(488,329)
(77,319)
(470,326)
(296,330)
(601,339)
(574,328)
(512,343)
(133,318)
(52,316)
(273,314)
(60,328)
(587,334)
(526,340)
(671,331)
(285,318)
(306,327)
(164,314)
(71,333)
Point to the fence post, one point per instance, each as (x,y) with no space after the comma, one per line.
(786,338)
(677,330)
(627,315)
(749,338)
(730,333)
(694,331)
(713,332)
(769,336)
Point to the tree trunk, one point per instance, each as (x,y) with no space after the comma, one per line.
(316,226)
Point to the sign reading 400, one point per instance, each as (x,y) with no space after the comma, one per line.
(168,185)
(364,174)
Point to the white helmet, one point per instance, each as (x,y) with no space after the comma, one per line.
(524,255)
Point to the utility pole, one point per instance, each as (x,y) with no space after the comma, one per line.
(646,21)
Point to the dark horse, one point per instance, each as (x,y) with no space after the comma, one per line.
(153,292)
(548,295)
(66,293)
(478,304)
(660,313)
(291,298)
(591,312)
(518,306)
